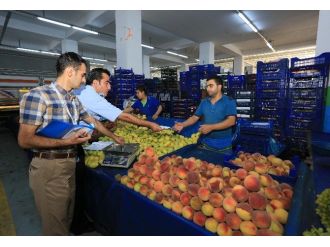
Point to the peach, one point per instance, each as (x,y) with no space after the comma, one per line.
(269,209)
(142,158)
(204,193)
(254,173)
(215,184)
(216,199)
(233,221)
(266,232)
(237,233)
(149,151)
(275,203)
(257,201)
(167,190)
(229,204)
(227,191)
(167,204)
(158,186)
(244,211)
(173,170)
(137,177)
(137,187)
(225,172)
(144,180)
(188,212)
(288,193)
(276,227)
(130,184)
(261,168)
(182,172)
(190,164)
(216,171)
(156,175)
(286,202)
(241,173)
(281,215)
(252,183)
(185,198)
(152,195)
(248,165)
(199,218)
(207,209)
(144,190)
(248,228)
(219,214)
(150,183)
(173,181)
(234,181)
(124,179)
(272,193)
(136,166)
(211,225)
(261,219)
(143,169)
(285,186)
(149,171)
(193,189)
(164,167)
(240,193)
(266,180)
(159,198)
(224,230)
(183,185)
(165,177)
(193,177)
(196,203)
(177,207)
(273,171)
(175,195)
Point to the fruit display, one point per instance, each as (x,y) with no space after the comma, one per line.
(163,142)
(93,158)
(262,164)
(224,201)
(322,210)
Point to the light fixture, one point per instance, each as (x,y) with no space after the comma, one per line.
(85,30)
(176,54)
(240,14)
(95,59)
(147,46)
(53,22)
(197,60)
(28,50)
(98,64)
(50,53)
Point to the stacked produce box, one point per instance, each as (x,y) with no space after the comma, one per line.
(306,99)
(272,82)
(183,108)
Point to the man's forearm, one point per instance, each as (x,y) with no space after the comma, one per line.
(159,110)
(134,120)
(224,124)
(100,127)
(41,142)
(190,121)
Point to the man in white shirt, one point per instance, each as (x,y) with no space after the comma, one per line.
(92,96)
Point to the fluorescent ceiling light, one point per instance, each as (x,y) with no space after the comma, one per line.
(95,59)
(53,22)
(98,64)
(176,54)
(240,14)
(197,60)
(270,46)
(147,46)
(50,53)
(85,30)
(29,50)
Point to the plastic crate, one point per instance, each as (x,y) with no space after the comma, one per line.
(279,84)
(270,103)
(239,94)
(257,128)
(271,66)
(245,103)
(307,113)
(270,93)
(309,83)
(306,93)
(323,59)
(301,103)
(298,133)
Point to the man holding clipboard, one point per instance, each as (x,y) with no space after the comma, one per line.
(52,169)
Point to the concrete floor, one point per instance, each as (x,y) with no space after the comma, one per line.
(14,165)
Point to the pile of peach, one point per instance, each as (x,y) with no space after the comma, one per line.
(223,201)
(262,164)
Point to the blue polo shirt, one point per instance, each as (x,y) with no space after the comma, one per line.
(149,109)
(216,113)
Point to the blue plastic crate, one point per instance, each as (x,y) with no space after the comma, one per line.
(301,102)
(282,84)
(271,66)
(244,94)
(245,102)
(270,93)
(253,127)
(298,133)
(270,103)
(310,83)
(306,93)
(283,74)
(323,59)
(305,113)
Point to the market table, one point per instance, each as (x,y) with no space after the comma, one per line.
(118,210)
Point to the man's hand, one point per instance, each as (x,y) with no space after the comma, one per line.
(120,140)
(79,137)
(178,127)
(155,127)
(205,128)
(155,116)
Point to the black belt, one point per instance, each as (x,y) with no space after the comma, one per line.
(52,155)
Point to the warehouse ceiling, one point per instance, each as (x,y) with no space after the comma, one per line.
(180,31)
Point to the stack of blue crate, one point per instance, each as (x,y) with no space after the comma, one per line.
(245,104)
(122,86)
(235,83)
(306,99)
(182,108)
(138,80)
(272,82)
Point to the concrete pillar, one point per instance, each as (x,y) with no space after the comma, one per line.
(206,53)
(146,66)
(238,65)
(69,45)
(128,40)
(323,45)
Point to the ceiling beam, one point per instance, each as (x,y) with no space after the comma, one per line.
(4,28)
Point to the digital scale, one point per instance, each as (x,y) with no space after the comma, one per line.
(121,156)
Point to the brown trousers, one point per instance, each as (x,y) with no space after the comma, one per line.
(53,185)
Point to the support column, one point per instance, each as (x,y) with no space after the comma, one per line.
(323,45)
(206,53)
(69,45)
(128,40)
(146,66)
(238,65)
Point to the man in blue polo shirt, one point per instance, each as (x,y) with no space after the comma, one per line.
(218,113)
(145,105)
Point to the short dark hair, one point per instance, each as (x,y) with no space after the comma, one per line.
(68,59)
(142,88)
(217,79)
(96,74)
